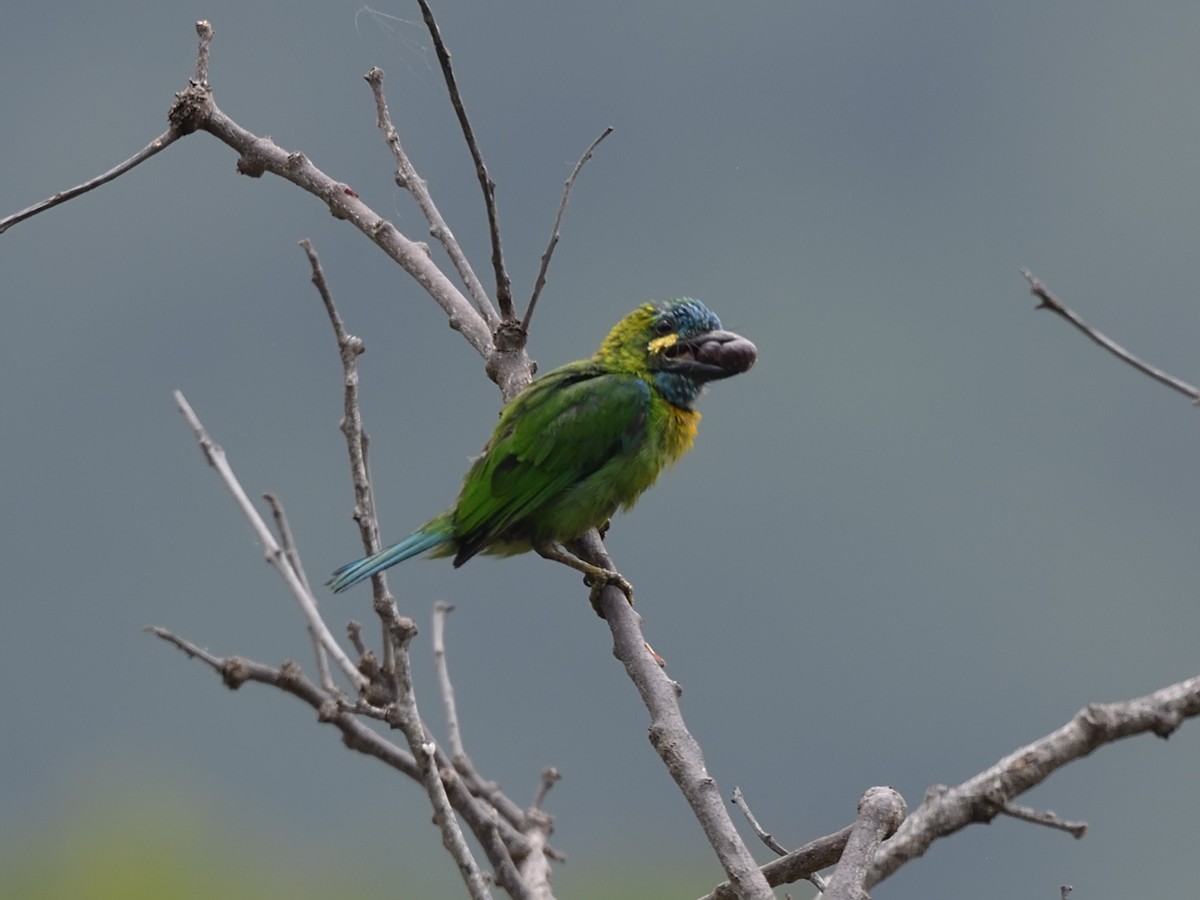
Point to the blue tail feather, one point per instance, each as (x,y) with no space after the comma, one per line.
(418,542)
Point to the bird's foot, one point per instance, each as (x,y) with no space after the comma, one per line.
(595,577)
(602,578)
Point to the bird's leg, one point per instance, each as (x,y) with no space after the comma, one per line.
(603,529)
(594,576)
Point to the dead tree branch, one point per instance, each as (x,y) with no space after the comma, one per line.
(979,799)
(880,812)
(275,555)
(1047,300)
(503,282)
(160,143)
(540,281)
(669,734)
(408,178)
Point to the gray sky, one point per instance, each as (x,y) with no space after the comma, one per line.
(925,529)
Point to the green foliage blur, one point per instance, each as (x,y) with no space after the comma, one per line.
(129,847)
(140,839)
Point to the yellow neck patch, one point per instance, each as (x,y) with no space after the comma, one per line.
(681,431)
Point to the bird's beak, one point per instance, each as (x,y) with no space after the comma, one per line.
(710,356)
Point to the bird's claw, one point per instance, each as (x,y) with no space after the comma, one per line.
(602,579)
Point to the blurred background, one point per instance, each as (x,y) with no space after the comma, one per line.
(925,529)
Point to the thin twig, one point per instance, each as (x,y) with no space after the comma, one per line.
(550,777)
(540,282)
(192,651)
(440,612)
(1048,301)
(1049,818)
(164,140)
(275,556)
(423,748)
(354,635)
(205,32)
(740,802)
(286,540)
(350,348)
(408,178)
(503,283)
(293,557)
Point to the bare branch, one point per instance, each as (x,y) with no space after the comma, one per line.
(349,349)
(535,868)
(357,442)
(286,540)
(1049,818)
(354,635)
(668,732)
(440,612)
(947,810)
(503,283)
(1048,301)
(293,558)
(501,840)
(540,282)
(880,812)
(550,777)
(164,140)
(195,109)
(740,802)
(803,862)
(508,875)
(193,652)
(408,178)
(305,600)
(491,792)
(204,31)
(236,671)
(423,748)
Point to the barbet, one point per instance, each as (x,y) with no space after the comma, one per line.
(580,442)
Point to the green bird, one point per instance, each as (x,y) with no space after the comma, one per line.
(580,442)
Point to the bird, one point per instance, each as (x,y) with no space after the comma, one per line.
(580,442)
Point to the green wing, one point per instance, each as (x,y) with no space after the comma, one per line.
(559,431)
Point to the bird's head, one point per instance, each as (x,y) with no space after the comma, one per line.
(679,345)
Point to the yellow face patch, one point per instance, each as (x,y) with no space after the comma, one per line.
(662,343)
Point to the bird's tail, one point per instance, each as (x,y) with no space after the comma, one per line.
(431,535)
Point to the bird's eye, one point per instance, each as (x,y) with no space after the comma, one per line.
(663,327)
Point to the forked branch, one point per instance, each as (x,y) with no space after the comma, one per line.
(979,799)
